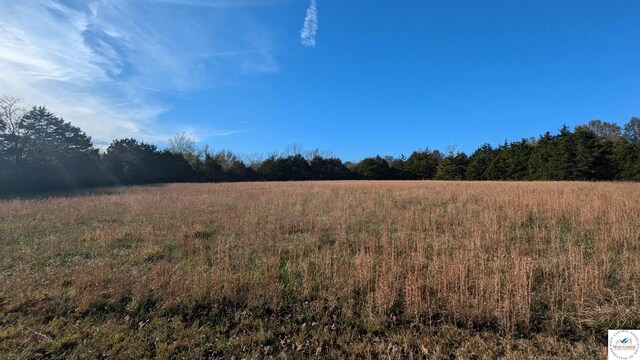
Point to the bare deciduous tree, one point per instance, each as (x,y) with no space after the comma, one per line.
(293,149)
(310,154)
(184,143)
(632,130)
(11,113)
(254,160)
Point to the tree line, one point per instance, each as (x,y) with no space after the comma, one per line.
(39,151)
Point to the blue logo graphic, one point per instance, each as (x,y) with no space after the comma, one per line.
(624,341)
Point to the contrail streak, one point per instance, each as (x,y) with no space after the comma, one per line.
(310,27)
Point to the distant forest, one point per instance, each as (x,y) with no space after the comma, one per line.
(39,151)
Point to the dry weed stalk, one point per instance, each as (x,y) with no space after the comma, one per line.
(525,257)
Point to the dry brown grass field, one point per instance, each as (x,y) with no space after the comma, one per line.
(321,269)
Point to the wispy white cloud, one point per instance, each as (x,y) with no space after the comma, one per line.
(104,65)
(222,3)
(209,133)
(310,26)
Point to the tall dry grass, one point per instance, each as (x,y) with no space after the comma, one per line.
(515,260)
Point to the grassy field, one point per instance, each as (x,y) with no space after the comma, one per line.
(321,269)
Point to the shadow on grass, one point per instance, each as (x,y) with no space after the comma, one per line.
(77,192)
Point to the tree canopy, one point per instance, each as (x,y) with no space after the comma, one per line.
(40,151)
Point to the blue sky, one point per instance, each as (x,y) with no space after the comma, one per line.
(377,77)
